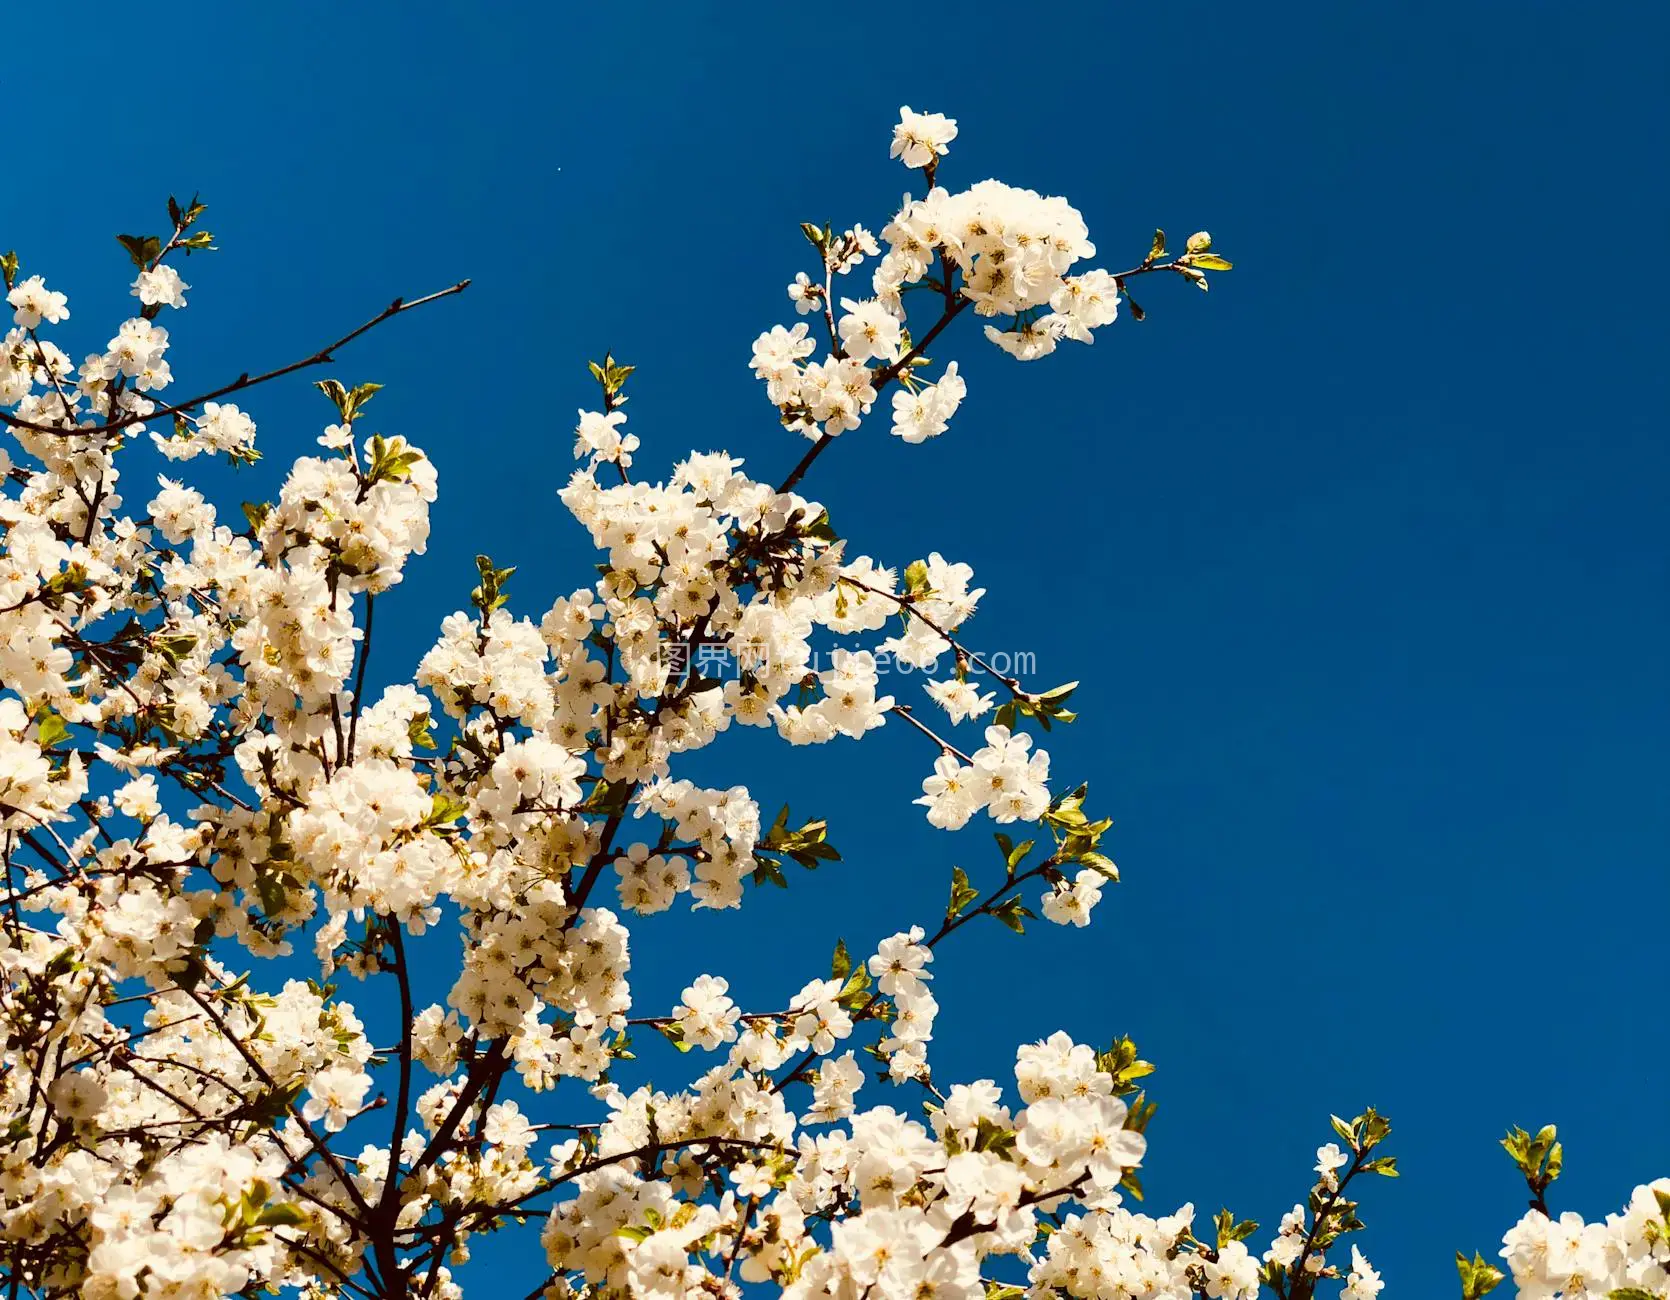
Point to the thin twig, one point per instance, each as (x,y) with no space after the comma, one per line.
(243,381)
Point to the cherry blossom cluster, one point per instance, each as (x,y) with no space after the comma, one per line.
(1628,1251)
(196,779)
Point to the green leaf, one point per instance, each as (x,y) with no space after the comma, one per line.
(184,217)
(673,1032)
(1100,863)
(50,729)
(334,390)
(1230,1231)
(392,462)
(820,529)
(808,845)
(361,394)
(269,888)
(1013,854)
(175,648)
(444,809)
(1047,707)
(418,732)
(142,249)
(71,578)
(1157,249)
(841,966)
(1010,911)
(267,1109)
(610,376)
(1067,813)
(1211,262)
(855,992)
(347,401)
(962,893)
(916,579)
(281,1216)
(1478,1278)
(989,1136)
(490,594)
(769,870)
(1122,1061)
(1516,1144)
(8,267)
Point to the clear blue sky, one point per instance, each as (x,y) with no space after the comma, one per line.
(1366,551)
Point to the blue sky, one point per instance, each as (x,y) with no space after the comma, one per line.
(1363,556)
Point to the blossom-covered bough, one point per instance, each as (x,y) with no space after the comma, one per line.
(194,785)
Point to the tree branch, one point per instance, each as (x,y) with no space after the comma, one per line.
(243,381)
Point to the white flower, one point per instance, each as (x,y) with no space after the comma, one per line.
(160,286)
(35,302)
(336,1093)
(506,1126)
(806,296)
(1330,1159)
(752,1180)
(1071,904)
(961,699)
(1027,343)
(138,798)
(1363,1283)
(920,138)
(869,332)
(705,1014)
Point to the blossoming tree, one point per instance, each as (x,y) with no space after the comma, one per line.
(194,783)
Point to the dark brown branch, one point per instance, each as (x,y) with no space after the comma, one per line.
(243,381)
(883,378)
